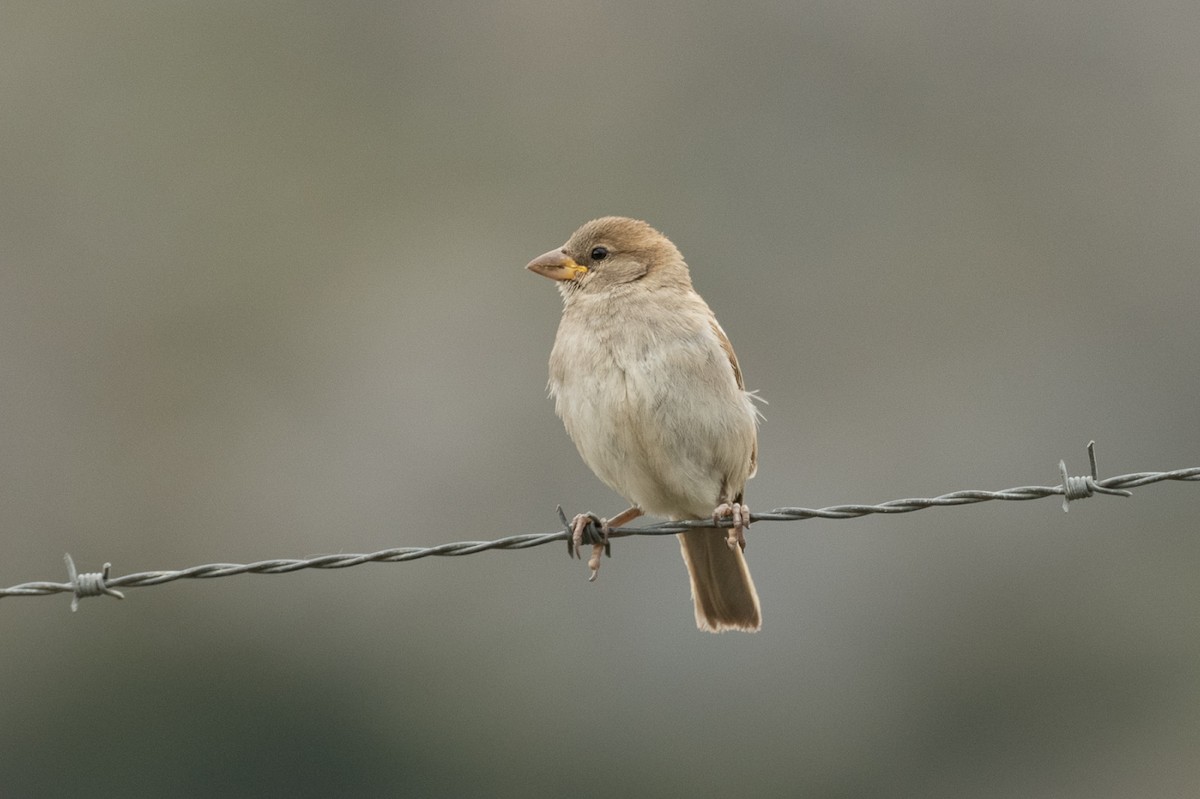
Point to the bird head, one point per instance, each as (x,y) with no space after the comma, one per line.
(609,252)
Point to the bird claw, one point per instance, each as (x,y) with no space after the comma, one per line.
(739,514)
(588,528)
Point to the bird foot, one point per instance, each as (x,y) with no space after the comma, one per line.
(739,514)
(590,528)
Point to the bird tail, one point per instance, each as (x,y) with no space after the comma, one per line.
(721,585)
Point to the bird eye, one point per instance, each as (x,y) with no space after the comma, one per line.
(599,253)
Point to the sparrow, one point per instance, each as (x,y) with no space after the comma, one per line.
(649,389)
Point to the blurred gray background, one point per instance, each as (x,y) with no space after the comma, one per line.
(262,295)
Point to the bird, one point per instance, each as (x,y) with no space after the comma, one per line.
(650,391)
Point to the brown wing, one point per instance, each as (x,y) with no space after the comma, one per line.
(741,384)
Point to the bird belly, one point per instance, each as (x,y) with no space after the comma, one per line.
(665,451)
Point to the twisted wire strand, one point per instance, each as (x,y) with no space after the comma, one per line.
(83,585)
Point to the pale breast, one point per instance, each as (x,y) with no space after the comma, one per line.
(655,411)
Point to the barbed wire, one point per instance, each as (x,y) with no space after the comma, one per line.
(82,585)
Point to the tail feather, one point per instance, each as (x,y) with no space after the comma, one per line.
(721,585)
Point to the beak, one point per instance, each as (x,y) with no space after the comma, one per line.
(557,265)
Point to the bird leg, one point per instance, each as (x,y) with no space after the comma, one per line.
(739,514)
(586,525)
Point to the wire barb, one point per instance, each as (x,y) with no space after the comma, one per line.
(1071,488)
(1083,487)
(88,583)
